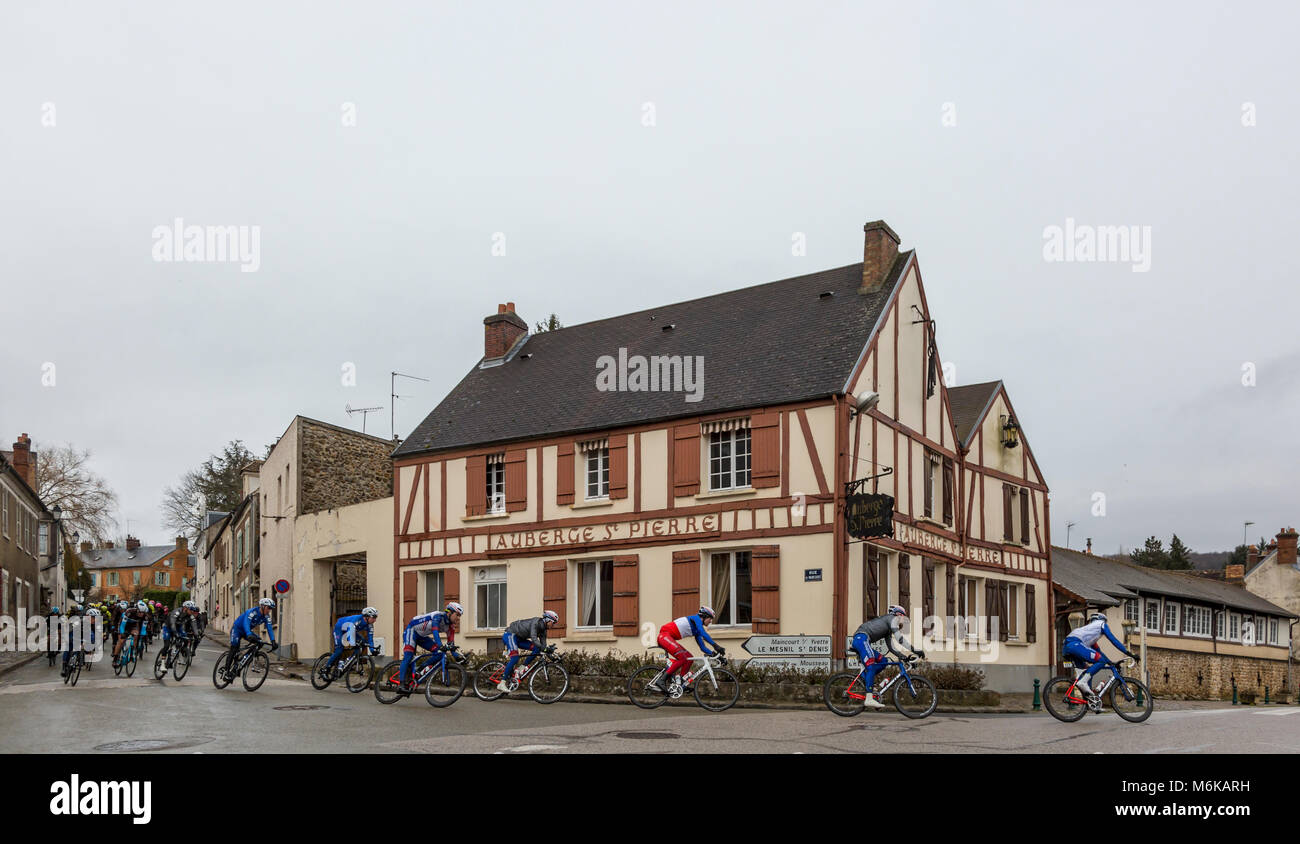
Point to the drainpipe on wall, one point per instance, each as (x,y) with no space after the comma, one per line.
(1290,657)
(1142,619)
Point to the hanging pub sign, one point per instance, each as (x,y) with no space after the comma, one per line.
(869,515)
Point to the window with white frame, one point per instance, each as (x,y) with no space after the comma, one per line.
(597,473)
(496,483)
(4,522)
(490,597)
(135,577)
(1273,632)
(729,459)
(45,538)
(1220,624)
(1171,618)
(1197,622)
(4,592)
(112,578)
(729,587)
(433,592)
(1013,610)
(1234,627)
(970,613)
(1247,630)
(1131,610)
(595,593)
(162,578)
(1153,616)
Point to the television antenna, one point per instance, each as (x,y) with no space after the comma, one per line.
(392,414)
(364,411)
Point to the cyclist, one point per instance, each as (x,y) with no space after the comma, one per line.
(245,624)
(347,632)
(1080,648)
(181,623)
(133,620)
(888,627)
(525,633)
(115,620)
(83,632)
(423,631)
(52,633)
(680,628)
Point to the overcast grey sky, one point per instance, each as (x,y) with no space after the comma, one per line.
(529,119)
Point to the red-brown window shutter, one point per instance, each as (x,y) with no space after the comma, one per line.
(871,581)
(1031,616)
(765,449)
(1003,610)
(991,605)
(516,480)
(1024,516)
(927,587)
(686,583)
(450,586)
(555,583)
(618,466)
(627,589)
(409,579)
(564,474)
(947,491)
(476,485)
(765,588)
(905,582)
(686,460)
(1008,529)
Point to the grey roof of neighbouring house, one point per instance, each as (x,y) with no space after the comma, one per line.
(969,404)
(1271,559)
(1105,582)
(769,344)
(215,516)
(121,558)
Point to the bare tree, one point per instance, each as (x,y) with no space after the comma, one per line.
(63,479)
(215,485)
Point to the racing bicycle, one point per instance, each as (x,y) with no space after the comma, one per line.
(250,664)
(715,689)
(548,680)
(1129,697)
(441,672)
(356,669)
(176,655)
(913,695)
(129,656)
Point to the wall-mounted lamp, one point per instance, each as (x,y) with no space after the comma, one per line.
(1010,431)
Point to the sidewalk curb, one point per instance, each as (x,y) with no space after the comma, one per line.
(22,663)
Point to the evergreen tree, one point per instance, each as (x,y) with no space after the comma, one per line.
(1179,554)
(1152,555)
(549,324)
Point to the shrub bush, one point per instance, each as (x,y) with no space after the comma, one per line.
(954,677)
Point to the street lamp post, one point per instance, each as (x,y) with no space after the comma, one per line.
(1244,525)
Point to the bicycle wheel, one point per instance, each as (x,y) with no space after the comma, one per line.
(717,694)
(219,679)
(67,670)
(388,683)
(549,682)
(319,680)
(1060,708)
(918,701)
(130,663)
(445,685)
(486,679)
(160,665)
(844,693)
(359,674)
(181,664)
(117,666)
(639,690)
(255,671)
(76,669)
(1130,709)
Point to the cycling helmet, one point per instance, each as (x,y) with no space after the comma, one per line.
(706,612)
(897,610)
(92,613)
(370,612)
(141,605)
(54,610)
(1097,616)
(121,605)
(266,602)
(551,616)
(190,605)
(75,609)
(455,607)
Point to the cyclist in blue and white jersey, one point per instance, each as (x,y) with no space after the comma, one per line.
(423,631)
(1081,648)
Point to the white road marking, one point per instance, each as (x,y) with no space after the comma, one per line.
(530,748)
(1288,711)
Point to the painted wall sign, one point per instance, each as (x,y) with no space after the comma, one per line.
(912,535)
(687,527)
(869,515)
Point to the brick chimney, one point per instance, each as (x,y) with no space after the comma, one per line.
(501,331)
(132,543)
(1252,555)
(182,544)
(87,547)
(22,460)
(108,544)
(1286,547)
(1089,551)
(1234,574)
(878,254)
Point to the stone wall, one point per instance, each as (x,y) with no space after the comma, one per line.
(341,467)
(1201,676)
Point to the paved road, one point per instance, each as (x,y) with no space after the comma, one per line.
(39,714)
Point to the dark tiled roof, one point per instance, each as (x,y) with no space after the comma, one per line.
(120,558)
(215,516)
(764,345)
(969,404)
(1105,582)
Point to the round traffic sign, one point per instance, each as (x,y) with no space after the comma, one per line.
(282,586)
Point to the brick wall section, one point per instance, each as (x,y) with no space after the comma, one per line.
(340,468)
(1216,673)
